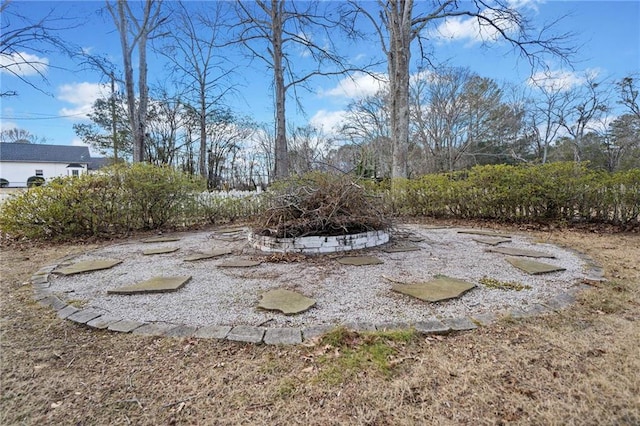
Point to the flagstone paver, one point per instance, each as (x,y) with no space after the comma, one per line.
(88,266)
(153,285)
(239,263)
(160,239)
(207,255)
(400,249)
(360,260)
(436,290)
(484,233)
(492,241)
(519,252)
(532,267)
(162,250)
(286,301)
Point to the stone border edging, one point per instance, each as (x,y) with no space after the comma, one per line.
(96,319)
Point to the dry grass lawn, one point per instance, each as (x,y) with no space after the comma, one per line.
(580,366)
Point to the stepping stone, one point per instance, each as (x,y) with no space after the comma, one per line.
(436,290)
(400,249)
(207,255)
(532,267)
(492,241)
(519,252)
(160,239)
(360,260)
(484,233)
(160,250)
(154,285)
(239,263)
(287,301)
(88,266)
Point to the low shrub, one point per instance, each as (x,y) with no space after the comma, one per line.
(119,200)
(551,192)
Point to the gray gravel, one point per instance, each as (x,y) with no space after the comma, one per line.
(344,294)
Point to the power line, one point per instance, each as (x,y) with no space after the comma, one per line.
(51,117)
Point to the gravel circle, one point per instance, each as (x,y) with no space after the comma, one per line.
(343,293)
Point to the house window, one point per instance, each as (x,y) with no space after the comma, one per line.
(75,173)
(39,173)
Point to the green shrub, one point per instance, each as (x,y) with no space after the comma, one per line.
(117,201)
(551,192)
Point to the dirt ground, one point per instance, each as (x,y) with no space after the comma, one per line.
(580,366)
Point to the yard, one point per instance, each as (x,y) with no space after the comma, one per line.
(579,366)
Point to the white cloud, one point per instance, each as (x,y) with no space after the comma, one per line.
(8,125)
(560,80)
(359,85)
(475,30)
(23,64)
(328,121)
(81,96)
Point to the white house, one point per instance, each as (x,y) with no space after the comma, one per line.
(23,163)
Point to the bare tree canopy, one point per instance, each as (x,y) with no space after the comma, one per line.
(24,44)
(275,31)
(399,24)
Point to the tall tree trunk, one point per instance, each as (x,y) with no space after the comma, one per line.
(202,116)
(399,56)
(281,151)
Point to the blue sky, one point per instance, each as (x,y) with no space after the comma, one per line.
(607,32)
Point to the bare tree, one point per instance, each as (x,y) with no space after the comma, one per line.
(16,135)
(23,41)
(402,22)
(587,104)
(193,49)
(287,29)
(134,34)
(629,94)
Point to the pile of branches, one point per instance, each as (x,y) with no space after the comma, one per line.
(321,205)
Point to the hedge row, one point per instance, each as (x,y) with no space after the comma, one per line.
(144,197)
(550,192)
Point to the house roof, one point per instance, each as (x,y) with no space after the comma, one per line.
(41,153)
